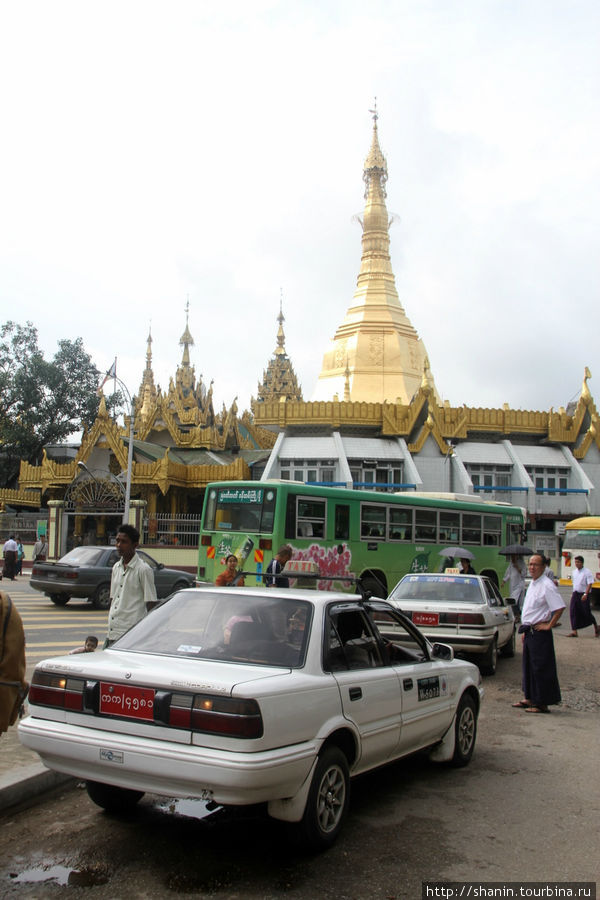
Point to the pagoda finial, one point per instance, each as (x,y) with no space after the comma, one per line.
(186,339)
(280,349)
(375,164)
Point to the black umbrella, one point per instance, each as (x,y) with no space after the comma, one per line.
(516,550)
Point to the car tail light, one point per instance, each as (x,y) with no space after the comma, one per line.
(58,691)
(206,540)
(265,544)
(462,619)
(216,715)
(471,619)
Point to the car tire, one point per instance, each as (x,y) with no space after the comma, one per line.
(328,800)
(60,599)
(112,799)
(465,732)
(489,660)
(101,599)
(509,649)
(179,586)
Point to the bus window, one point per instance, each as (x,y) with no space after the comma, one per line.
(426,525)
(310,518)
(471,529)
(449,527)
(372,521)
(401,524)
(492,531)
(342,523)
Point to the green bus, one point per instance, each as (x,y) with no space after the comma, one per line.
(375,536)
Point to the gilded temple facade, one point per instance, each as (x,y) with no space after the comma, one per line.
(376,420)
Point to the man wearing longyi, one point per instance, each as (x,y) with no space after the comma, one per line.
(542,608)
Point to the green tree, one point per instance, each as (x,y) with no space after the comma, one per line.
(41,401)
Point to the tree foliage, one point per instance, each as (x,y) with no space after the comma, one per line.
(41,401)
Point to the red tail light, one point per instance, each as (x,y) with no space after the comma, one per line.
(471,619)
(462,619)
(58,691)
(265,544)
(216,715)
(206,540)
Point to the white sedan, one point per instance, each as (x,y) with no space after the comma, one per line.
(242,695)
(466,611)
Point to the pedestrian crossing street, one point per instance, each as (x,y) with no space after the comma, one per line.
(52,630)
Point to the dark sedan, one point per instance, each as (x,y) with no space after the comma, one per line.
(85,572)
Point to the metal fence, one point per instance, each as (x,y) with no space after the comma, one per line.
(163,530)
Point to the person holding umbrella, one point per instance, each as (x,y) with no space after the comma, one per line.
(515,575)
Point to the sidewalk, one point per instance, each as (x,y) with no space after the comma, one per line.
(22,776)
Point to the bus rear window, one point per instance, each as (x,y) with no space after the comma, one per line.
(240,509)
(582,540)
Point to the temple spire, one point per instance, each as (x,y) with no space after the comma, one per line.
(186,340)
(279,380)
(376,343)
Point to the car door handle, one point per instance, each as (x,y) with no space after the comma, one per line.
(355,693)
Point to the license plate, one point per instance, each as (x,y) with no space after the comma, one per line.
(126,700)
(424,618)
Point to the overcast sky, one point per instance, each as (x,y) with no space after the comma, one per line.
(155,151)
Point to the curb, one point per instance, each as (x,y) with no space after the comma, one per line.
(28,783)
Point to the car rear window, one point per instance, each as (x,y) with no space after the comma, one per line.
(82,556)
(216,625)
(438,589)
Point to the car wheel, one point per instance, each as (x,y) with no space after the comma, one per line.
(180,586)
(489,661)
(465,731)
(101,599)
(509,649)
(112,799)
(328,799)
(60,599)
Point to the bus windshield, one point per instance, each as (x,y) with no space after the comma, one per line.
(235,509)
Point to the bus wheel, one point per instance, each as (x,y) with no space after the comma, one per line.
(375,587)
(595,600)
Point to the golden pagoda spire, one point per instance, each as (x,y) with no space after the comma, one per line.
(376,341)
(280,348)
(147,392)
(279,380)
(186,338)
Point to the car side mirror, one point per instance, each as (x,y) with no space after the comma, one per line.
(442,651)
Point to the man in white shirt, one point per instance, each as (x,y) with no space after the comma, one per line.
(132,589)
(10,558)
(542,608)
(579,610)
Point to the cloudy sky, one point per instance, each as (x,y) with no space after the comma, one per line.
(153,152)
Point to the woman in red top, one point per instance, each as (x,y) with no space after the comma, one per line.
(230,575)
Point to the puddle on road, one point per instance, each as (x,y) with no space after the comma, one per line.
(61,875)
(192,809)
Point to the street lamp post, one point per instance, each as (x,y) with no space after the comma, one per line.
(112,375)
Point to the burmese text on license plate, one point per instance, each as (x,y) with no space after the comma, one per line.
(126,700)
(423,618)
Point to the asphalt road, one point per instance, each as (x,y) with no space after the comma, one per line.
(525,810)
